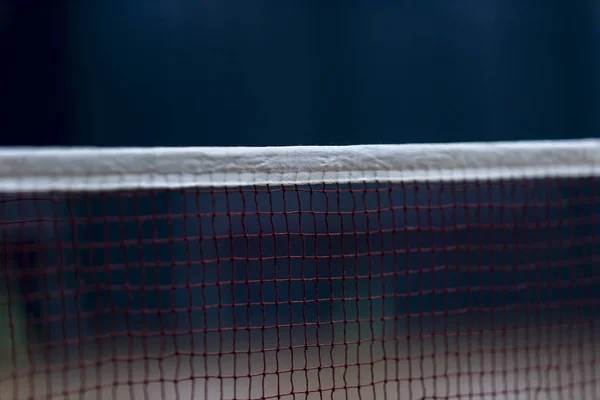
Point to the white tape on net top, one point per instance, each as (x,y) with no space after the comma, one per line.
(93,169)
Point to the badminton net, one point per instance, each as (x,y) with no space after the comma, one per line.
(457,271)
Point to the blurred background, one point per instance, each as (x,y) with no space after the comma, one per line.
(205,72)
(215,73)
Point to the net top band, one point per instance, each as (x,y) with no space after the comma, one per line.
(101,169)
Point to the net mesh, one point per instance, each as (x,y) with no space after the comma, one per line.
(475,289)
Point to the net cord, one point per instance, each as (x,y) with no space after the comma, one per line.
(102,169)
